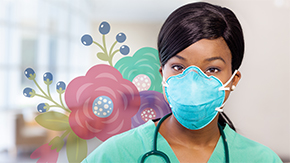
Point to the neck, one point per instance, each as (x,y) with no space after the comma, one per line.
(176,134)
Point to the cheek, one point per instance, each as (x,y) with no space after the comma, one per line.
(164,95)
(227,94)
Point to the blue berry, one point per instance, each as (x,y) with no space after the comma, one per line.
(60,87)
(47,78)
(87,40)
(28,92)
(104,28)
(121,37)
(42,107)
(29,73)
(124,49)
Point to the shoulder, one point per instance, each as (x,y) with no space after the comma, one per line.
(124,147)
(248,150)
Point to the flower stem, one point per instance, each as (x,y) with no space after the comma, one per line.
(40,96)
(115,53)
(56,104)
(60,99)
(112,48)
(65,134)
(48,91)
(104,44)
(39,87)
(99,45)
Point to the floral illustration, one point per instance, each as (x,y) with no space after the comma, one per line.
(153,106)
(106,101)
(56,121)
(142,69)
(45,154)
(106,55)
(102,103)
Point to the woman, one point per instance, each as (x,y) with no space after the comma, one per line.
(200,47)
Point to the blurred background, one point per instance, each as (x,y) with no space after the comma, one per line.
(45,35)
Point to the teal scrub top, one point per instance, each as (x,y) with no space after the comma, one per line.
(130,146)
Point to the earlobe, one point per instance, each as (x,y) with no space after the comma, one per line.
(236,79)
(233,87)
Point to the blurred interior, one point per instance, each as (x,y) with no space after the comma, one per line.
(45,35)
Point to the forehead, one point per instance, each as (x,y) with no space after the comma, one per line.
(206,50)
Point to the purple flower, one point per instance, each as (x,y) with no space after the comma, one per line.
(153,106)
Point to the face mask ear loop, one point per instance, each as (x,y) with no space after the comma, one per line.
(224,86)
(164,82)
(219,109)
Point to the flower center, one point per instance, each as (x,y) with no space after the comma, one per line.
(148,114)
(142,82)
(103,106)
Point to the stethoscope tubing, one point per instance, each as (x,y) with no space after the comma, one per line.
(166,158)
(155,151)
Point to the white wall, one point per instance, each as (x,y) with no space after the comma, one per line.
(259,107)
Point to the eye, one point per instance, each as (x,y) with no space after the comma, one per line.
(212,70)
(177,67)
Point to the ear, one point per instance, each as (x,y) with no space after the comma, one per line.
(236,78)
(160,71)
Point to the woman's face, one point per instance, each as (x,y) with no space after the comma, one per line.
(213,57)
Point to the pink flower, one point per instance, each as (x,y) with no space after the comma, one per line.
(102,103)
(45,153)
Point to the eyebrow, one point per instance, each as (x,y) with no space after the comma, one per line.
(215,58)
(207,60)
(179,57)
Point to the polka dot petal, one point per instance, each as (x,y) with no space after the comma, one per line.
(101,106)
(142,82)
(148,114)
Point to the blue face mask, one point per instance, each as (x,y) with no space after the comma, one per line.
(194,97)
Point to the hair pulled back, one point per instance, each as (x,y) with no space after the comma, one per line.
(195,21)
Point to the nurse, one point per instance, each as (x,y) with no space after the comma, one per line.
(201,48)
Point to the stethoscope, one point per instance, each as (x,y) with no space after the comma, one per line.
(165,157)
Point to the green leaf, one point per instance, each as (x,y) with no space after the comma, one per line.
(76,148)
(53,120)
(103,56)
(57,142)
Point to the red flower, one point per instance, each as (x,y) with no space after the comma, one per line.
(45,153)
(102,103)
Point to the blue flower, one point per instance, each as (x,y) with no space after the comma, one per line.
(60,87)
(47,78)
(121,37)
(87,40)
(29,73)
(29,92)
(104,28)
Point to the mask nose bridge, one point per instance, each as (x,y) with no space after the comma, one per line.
(186,72)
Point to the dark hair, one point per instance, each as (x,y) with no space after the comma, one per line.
(195,21)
